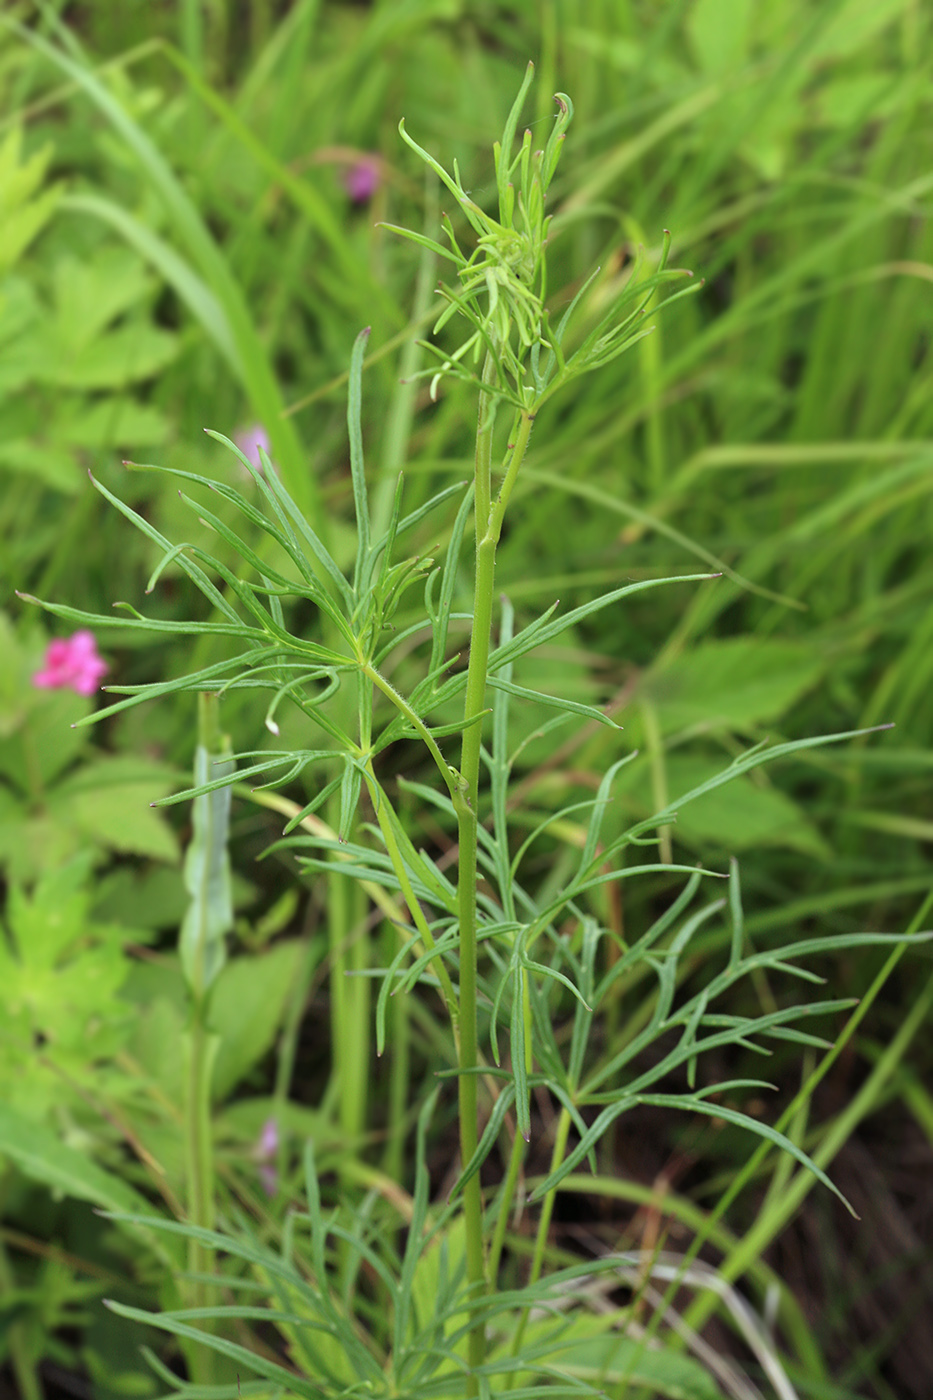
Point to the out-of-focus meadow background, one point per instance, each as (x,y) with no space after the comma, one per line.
(190,199)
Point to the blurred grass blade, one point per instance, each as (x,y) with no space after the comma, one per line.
(255,370)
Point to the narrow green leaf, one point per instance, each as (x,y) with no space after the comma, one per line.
(544,630)
(519,1050)
(357,464)
(554,702)
(504,150)
(197,575)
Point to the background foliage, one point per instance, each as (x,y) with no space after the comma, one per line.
(179,251)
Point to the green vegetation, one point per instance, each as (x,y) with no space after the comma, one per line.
(413,1045)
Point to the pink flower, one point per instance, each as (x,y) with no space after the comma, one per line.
(268,1144)
(362,179)
(72,664)
(264,1152)
(250,440)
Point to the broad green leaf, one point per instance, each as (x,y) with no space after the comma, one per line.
(53,466)
(91,292)
(743,815)
(112,422)
(14,682)
(246,1009)
(41,1155)
(439,1269)
(855,28)
(732,684)
(738,816)
(45,922)
(157,1040)
(29,843)
(595,1348)
(44,743)
(719,33)
(110,801)
(22,212)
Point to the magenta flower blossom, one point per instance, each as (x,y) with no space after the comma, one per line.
(250,440)
(264,1153)
(362,179)
(72,664)
(268,1140)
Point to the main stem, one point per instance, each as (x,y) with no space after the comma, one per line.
(489,517)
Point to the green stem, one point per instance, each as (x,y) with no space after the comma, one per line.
(489,519)
(414,907)
(417,723)
(469,1105)
(654,743)
(482,469)
(400,1071)
(201,1047)
(349,1022)
(202,953)
(354,1094)
(544,1222)
(510,1184)
(506,1197)
(347,950)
